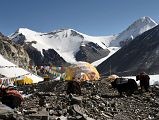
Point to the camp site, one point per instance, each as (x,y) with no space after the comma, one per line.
(95,91)
(79,60)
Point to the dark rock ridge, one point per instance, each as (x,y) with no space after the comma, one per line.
(52,57)
(20,38)
(91,52)
(49,57)
(13,52)
(141,54)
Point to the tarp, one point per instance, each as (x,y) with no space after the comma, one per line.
(81,71)
(23,81)
(10,71)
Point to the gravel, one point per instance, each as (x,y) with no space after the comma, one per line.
(48,100)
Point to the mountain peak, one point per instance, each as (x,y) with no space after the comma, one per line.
(67,33)
(26,31)
(136,28)
(141,23)
(144,21)
(147,19)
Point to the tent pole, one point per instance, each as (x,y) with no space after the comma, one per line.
(110,69)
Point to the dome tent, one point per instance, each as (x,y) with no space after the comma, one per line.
(23,80)
(82,71)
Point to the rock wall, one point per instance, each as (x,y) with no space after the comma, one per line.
(12,52)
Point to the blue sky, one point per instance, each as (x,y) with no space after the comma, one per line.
(92,17)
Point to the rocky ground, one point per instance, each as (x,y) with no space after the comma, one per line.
(48,101)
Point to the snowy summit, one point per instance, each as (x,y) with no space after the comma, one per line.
(138,27)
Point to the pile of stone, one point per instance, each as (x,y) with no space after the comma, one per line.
(49,101)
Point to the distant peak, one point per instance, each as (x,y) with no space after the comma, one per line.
(141,22)
(23,29)
(26,31)
(147,20)
(136,28)
(67,32)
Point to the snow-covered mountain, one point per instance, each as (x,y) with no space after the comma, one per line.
(138,27)
(68,43)
(70,46)
(141,54)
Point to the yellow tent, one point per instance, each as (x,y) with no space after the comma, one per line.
(23,81)
(82,71)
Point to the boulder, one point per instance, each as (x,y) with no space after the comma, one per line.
(6,113)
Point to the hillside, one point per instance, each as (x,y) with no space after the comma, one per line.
(13,52)
(136,28)
(141,54)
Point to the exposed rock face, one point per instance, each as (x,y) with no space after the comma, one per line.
(91,52)
(141,54)
(52,57)
(34,55)
(12,52)
(20,39)
(49,57)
